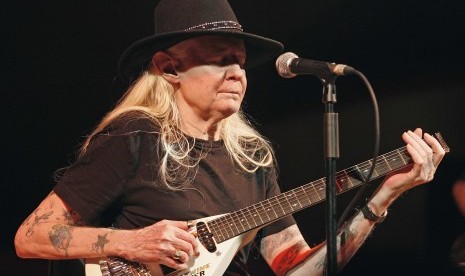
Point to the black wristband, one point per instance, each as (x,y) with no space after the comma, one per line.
(369,215)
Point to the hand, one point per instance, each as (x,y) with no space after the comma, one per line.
(426,155)
(159,243)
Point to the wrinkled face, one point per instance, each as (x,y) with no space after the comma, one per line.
(212,81)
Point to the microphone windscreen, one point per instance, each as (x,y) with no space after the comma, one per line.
(283,65)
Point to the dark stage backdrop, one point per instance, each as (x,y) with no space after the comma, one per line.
(58,73)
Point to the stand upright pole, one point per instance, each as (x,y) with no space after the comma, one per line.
(331,148)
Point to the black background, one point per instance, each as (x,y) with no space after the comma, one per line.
(58,70)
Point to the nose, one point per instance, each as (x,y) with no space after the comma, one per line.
(234,72)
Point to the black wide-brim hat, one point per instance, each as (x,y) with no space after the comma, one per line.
(178,20)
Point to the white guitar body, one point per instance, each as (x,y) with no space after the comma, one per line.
(205,264)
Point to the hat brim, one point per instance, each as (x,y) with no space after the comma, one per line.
(136,58)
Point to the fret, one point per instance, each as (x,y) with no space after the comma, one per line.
(280,200)
(233,221)
(407,158)
(225,222)
(301,198)
(213,226)
(344,181)
(295,201)
(355,175)
(362,172)
(238,220)
(244,217)
(382,166)
(250,217)
(257,214)
(375,170)
(286,196)
(304,196)
(366,170)
(311,193)
(349,178)
(387,163)
(394,160)
(338,187)
(316,191)
(273,209)
(400,155)
(270,210)
(264,211)
(321,191)
(279,210)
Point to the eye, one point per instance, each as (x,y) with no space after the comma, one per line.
(216,61)
(233,60)
(226,60)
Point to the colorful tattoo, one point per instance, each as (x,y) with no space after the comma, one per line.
(100,244)
(268,245)
(60,236)
(289,258)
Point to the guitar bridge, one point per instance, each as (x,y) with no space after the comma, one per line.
(205,237)
(114,266)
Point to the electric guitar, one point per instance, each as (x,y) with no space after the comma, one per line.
(222,236)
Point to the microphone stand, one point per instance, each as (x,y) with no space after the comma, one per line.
(331,154)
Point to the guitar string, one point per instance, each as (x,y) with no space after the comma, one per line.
(229,220)
(286,202)
(308,194)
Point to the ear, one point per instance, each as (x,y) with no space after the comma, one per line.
(164,65)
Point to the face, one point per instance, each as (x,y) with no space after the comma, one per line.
(212,81)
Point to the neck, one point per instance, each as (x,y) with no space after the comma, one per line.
(202,130)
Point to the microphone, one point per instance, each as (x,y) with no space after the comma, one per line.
(290,65)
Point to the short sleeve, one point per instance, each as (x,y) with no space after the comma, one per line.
(98,177)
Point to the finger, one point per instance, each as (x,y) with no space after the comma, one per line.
(176,264)
(413,148)
(417,137)
(423,150)
(179,224)
(188,242)
(418,131)
(417,158)
(179,255)
(188,237)
(438,150)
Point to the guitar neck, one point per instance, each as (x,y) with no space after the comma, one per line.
(274,208)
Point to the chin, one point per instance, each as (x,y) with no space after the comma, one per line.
(229,111)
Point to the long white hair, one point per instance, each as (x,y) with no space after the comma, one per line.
(153,96)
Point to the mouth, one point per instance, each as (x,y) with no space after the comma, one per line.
(230,92)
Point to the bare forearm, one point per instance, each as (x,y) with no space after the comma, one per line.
(348,240)
(54,231)
(350,237)
(52,240)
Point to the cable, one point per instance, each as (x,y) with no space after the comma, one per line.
(363,187)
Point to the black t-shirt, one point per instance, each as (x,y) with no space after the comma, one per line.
(116,183)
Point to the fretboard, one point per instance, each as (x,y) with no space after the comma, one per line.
(274,208)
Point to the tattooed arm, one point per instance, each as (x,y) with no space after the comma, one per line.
(50,232)
(54,231)
(287,253)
